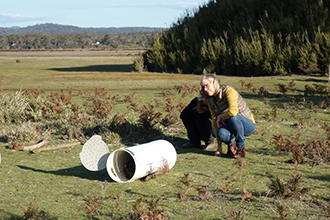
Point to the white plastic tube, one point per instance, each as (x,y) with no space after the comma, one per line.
(131,163)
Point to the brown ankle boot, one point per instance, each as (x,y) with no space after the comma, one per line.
(240,153)
(231,150)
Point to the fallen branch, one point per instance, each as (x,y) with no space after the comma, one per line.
(38,145)
(56,147)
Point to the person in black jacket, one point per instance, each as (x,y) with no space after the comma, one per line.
(197,120)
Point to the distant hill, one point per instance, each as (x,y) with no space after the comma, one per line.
(56,29)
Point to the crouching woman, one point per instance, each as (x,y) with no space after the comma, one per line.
(232,118)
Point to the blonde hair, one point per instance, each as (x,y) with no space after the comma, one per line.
(213,79)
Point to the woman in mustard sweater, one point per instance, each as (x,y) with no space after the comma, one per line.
(232,118)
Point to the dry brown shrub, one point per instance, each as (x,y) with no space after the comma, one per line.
(16,146)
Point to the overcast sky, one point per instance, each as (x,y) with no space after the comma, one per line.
(102,13)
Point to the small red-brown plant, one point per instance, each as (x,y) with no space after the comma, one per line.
(282,88)
(263,92)
(187,187)
(148,118)
(255,110)
(91,205)
(242,82)
(249,85)
(153,212)
(32,212)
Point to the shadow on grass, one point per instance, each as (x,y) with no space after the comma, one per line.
(132,135)
(131,192)
(179,142)
(279,99)
(181,150)
(316,79)
(322,178)
(12,216)
(78,171)
(97,68)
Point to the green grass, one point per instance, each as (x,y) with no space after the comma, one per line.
(59,184)
(112,73)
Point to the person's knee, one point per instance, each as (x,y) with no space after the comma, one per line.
(222,135)
(250,130)
(234,119)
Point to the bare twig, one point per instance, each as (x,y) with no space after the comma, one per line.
(56,147)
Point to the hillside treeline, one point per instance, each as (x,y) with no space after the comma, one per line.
(58,29)
(250,37)
(74,41)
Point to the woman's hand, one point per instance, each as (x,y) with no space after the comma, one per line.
(220,120)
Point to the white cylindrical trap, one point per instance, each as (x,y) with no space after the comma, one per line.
(128,164)
(131,163)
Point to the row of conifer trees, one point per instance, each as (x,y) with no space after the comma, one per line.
(245,37)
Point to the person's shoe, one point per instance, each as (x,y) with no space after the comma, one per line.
(191,145)
(240,153)
(231,150)
(210,146)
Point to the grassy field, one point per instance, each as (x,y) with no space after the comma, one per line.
(104,92)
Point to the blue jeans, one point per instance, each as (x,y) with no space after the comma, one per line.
(236,127)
